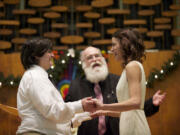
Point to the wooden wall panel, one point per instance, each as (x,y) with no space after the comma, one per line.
(156,60)
(11,64)
(165,122)
(153,60)
(8,122)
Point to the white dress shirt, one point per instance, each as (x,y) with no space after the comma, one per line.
(41,107)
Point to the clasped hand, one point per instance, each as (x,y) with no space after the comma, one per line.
(91,104)
(94,106)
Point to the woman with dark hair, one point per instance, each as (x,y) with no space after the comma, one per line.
(40,105)
(127,46)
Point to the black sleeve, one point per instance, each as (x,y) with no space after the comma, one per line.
(149,108)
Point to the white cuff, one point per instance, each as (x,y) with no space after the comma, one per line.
(79,118)
(76,106)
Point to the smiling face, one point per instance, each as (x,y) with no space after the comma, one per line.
(46,60)
(127,45)
(116,49)
(94,65)
(92,57)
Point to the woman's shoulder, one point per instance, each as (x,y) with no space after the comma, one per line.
(133,64)
(133,68)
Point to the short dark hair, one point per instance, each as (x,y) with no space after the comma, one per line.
(33,48)
(131,43)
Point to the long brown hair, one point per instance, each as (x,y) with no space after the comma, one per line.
(131,43)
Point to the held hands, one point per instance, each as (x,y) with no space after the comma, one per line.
(94,106)
(158,98)
(99,113)
(99,105)
(90,105)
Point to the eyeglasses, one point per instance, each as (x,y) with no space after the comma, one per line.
(90,57)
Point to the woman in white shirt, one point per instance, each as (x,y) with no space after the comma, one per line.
(40,105)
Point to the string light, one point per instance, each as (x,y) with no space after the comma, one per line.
(63,61)
(156,76)
(162,71)
(50,75)
(171,63)
(11,82)
(152,77)
(68,54)
(110,52)
(52,67)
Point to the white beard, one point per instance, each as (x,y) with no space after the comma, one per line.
(97,74)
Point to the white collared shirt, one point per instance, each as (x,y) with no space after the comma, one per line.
(40,105)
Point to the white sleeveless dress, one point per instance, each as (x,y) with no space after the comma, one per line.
(132,122)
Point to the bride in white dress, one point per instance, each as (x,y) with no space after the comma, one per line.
(127,47)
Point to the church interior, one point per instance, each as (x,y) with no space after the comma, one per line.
(73,25)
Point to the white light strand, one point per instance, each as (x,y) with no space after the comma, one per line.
(63,61)
(171,63)
(68,54)
(50,75)
(162,71)
(11,82)
(156,76)
(52,67)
